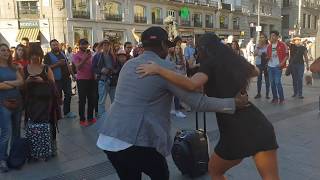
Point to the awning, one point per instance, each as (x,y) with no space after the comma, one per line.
(31,33)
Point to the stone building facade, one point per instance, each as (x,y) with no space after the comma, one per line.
(69,20)
(306,26)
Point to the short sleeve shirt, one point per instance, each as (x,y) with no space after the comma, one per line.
(85,72)
(297,55)
(260,51)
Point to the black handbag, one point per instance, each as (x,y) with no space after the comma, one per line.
(288,70)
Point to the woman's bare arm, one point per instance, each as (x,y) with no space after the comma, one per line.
(15,83)
(194,83)
(50,75)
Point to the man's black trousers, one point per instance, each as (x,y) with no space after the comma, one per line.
(131,162)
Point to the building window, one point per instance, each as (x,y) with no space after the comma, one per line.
(156,15)
(254,8)
(304,21)
(28,9)
(81,9)
(82,33)
(112,11)
(224,22)
(236,23)
(286,3)
(140,14)
(171,13)
(197,20)
(209,21)
(285,21)
(309,21)
(262,9)
(315,22)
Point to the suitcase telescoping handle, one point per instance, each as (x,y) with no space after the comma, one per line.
(204,122)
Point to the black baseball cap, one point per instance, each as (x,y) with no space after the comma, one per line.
(154,35)
(83,42)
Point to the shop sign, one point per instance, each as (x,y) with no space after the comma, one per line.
(258,28)
(59,4)
(185,13)
(28,24)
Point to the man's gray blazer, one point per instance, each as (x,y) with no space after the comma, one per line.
(140,113)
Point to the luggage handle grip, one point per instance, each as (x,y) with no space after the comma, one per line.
(204,122)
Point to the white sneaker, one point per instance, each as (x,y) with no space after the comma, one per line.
(179,114)
(173,112)
(70,115)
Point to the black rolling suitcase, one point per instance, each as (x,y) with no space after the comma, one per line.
(190,150)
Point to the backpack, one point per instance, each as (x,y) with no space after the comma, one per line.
(19,153)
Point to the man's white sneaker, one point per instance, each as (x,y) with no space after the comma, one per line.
(70,115)
(179,114)
(173,112)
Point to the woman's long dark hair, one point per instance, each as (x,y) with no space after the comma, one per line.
(224,60)
(24,56)
(9,60)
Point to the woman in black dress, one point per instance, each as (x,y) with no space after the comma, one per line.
(246,133)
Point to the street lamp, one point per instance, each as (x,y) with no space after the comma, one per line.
(299,17)
(258,28)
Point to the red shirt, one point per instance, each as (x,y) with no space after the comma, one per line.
(22,62)
(282,52)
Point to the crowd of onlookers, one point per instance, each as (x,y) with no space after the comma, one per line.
(272,57)
(32,84)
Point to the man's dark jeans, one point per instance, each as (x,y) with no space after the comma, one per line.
(263,69)
(65,86)
(297,78)
(131,162)
(86,92)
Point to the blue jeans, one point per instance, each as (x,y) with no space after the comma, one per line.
(275,80)
(264,71)
(9,126)
(297,78)
(104,89)
(65,86)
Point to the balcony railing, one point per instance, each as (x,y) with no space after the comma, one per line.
(223,26)
(238,8)
(197,24)
(212,3)
(185,23)
(81,14)
(187,1)
(226,6)
(157,21)
(29,12)
(140,19)
(209,25)
(113,17)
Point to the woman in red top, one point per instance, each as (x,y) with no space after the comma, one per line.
(20,58)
